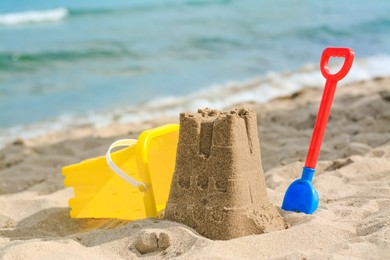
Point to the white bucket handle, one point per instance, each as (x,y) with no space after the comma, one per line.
(124,142)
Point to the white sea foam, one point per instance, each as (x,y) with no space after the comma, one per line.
(260,90)
(33,16)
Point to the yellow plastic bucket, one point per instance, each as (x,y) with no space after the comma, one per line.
(100,192)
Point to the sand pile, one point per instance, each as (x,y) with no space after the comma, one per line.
(218,187)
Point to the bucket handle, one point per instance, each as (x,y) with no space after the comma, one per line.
(124,142)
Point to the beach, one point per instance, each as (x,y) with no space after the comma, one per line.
(352,179)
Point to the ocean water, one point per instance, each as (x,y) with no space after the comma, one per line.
(64,63)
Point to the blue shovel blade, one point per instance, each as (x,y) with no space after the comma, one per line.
(301,195)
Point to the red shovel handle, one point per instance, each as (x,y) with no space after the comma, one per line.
(346,53)
(327,99)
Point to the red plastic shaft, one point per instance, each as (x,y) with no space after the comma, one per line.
(320,125)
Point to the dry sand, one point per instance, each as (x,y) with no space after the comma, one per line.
(352,178)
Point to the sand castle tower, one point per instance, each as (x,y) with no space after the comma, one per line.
(218,187)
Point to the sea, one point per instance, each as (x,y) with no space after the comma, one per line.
(68,63)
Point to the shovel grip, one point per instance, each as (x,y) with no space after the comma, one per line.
(346,53)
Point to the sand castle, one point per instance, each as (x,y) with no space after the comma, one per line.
(218,187)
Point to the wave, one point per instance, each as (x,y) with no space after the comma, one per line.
(260,90)
(377,25)
(13,61)
(374,26)
(28,17)
(147,6)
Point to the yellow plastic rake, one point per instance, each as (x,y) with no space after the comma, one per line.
(132,183)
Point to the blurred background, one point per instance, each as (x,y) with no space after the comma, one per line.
(72,62)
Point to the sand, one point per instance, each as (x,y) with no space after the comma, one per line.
(352,178)
(218,187)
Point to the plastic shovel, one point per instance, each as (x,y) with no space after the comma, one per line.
(301,195)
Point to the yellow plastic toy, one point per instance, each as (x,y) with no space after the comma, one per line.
(132,183)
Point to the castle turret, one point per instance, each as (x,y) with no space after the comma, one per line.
(218,187)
